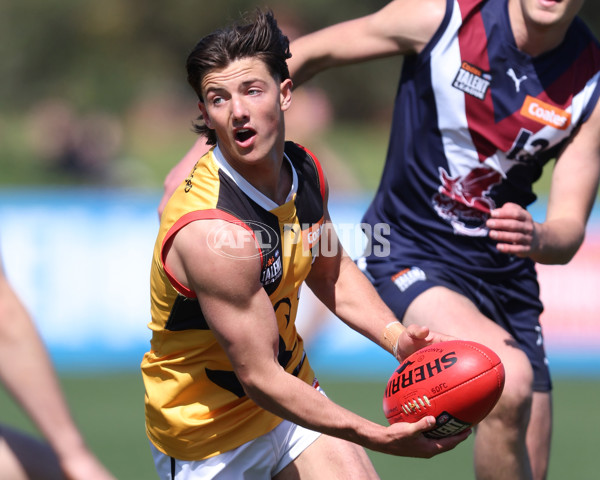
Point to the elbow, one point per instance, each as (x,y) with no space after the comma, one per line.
(254,385)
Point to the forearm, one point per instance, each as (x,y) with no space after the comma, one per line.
(349,42)
(557,241)
(398,28)
(289,397)
(353,299)
(27,372)
(308,58)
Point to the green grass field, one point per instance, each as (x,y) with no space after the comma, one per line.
(109,411)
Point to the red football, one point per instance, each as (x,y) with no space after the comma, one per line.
(458,382)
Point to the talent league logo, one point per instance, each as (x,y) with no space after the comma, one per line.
(472,80)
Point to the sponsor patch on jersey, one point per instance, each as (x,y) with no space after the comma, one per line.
(311,235)
(405,278)
(472,80)
(545,113)
(272,270)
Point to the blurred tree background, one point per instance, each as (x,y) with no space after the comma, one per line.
(94,93)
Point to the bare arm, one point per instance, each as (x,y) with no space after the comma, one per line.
(237,307)
(346,291)
(401,27)
(27,372)
(572,194)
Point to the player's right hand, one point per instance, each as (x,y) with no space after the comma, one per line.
(407,439)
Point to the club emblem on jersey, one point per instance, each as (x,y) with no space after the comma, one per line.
(472,80)
(464,201)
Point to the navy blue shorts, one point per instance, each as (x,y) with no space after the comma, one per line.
(513,304)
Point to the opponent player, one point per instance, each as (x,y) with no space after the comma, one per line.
(27,373)
(230,392)
(490,92)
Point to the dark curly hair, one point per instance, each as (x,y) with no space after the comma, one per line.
(260,38)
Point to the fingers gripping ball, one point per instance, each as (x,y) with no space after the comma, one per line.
(458,382)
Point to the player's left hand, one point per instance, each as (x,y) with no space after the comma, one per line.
(415,337)
(514,229)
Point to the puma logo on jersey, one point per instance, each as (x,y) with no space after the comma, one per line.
(511,73)
(545,113)
(472,80)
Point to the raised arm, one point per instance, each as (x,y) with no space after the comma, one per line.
(401,27)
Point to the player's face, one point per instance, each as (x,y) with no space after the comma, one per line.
(244,104)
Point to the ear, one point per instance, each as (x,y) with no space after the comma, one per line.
(205,116)
(285,93)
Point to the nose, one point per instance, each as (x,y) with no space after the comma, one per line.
(239,110)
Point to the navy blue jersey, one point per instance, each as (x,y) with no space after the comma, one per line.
(475,122)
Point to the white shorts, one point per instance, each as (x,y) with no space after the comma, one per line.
(258,459)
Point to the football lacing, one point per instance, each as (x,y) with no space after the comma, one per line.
(416,404)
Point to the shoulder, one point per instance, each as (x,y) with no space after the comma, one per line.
(214,254)
(307,164)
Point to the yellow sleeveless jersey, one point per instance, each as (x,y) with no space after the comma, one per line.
(195,405)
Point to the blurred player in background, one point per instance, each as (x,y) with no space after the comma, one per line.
(230,392)
(490,92)
(27,373)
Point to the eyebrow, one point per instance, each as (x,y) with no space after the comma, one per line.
(244,84)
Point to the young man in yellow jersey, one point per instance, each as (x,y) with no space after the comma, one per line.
(230,392)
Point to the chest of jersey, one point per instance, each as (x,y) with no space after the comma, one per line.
(510,108)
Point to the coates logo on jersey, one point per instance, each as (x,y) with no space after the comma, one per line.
(546,114)
(472,80)
(311,235)
(464,201)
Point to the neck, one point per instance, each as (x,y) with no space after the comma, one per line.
(536,33)
(278,183)
(271,176)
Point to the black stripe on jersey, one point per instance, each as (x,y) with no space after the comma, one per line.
(228,380)
(186,315)
(309,203)
(235,202)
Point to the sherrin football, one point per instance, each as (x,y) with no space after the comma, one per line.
(458,382)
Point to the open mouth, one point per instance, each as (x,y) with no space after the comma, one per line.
(244,134)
